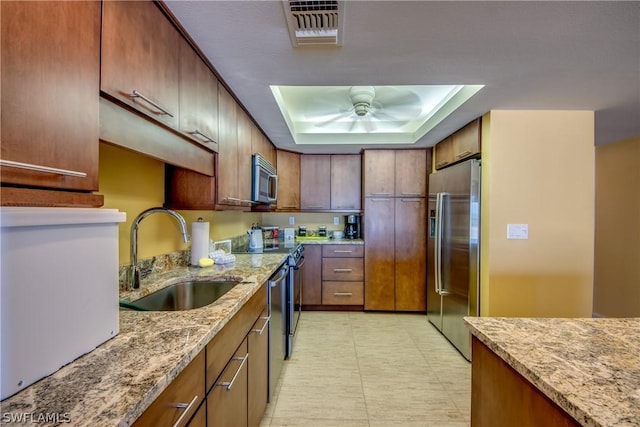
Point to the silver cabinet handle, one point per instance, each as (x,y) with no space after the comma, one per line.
(315,207)
(442,164)
(341,251)
(229,384)
(411,200)
(463,154)
(235,199)
(411,194)
(343,270)
(379,200)
(136,94)
(261,330)
(343,294)
(202,136)
(186,407)
(38,168)
(379,194)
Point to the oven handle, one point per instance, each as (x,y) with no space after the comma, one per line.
(299,264)
(282,274)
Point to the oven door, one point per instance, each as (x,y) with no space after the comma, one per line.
(294,303)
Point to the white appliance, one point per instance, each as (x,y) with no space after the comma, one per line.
(59,288)
(264,181)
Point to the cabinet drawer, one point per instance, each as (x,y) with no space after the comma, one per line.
(227,400)
(342,269)
(343,293)
(187,389)
(342,251)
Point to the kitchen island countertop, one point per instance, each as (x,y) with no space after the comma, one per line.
(588,367)
(115,383)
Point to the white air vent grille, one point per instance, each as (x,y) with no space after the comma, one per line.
(314,22)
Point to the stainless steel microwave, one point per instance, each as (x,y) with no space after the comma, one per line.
(264,181)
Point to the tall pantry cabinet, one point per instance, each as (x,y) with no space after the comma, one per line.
(395,206)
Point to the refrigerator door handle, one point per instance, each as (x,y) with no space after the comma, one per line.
(440,207)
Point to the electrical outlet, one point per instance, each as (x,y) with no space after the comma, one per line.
(292,220)
(336,220)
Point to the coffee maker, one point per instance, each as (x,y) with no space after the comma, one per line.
(352,227)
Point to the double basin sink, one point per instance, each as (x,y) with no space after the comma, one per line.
(185,295)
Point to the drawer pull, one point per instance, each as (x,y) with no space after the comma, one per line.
(136,94)
(463,154)
(341,251)
(202,136)
(229,384)
(379,194)
(343,270)
(261,330)
(442,164)
(411,194)
(186,407)
(38,168)
(343,294)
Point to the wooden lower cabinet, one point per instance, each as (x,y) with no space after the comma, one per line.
(227,400)
(312,276)
(410,254)
(200,418)
(379,259)
(500,396)
(258,382)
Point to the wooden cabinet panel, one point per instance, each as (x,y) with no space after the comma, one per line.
(227,400)
(198,95)
(378,173)
(140,52)
(186,189)
(466,141)
(410,254)
(261,144)
(315,189)
(243,167)
(342,293)
(50,55)
(227,171)
(346,181)
(288,167)
(342,269)
(379,260)
(258,369)
(200,418)
(312,275)
(411,173)
(443,153)
(342,251)
(188,388)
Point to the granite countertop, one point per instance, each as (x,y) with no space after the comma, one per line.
(329,241)
(115,383)
(589,367)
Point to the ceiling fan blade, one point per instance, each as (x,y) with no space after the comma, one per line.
(369,125)
(332,119)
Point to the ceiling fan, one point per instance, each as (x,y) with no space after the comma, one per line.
(367,108)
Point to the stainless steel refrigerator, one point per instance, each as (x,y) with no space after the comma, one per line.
(453,251)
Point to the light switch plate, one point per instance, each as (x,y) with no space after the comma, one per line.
(292,220)
(336,220)
(517,231)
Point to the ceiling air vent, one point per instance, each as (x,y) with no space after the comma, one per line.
(315,22)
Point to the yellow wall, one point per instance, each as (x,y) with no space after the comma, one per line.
(131,183)
(538,169)
(311,220)
(617,241)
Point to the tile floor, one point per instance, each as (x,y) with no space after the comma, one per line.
(353,369)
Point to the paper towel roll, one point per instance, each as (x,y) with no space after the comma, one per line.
(199,241)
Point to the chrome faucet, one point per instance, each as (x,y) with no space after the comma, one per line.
(134,271)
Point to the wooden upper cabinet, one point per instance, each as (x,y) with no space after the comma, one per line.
(50,55)
(288,167)
(378,173)
(466,141)
(227,172)
(411,173)
(261,144)
(243,167)
(141,59)
(443,152)
(346,182)
(315,187)
(198,94)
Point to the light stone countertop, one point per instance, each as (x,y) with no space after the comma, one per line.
(115,383)
(328,241)
(589,367)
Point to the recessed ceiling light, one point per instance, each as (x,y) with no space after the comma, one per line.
(367,114)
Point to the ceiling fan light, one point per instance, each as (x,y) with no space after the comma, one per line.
(361,98)
(361,108)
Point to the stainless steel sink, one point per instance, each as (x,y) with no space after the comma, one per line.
(181,296)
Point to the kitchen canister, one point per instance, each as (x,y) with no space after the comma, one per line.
(199,241)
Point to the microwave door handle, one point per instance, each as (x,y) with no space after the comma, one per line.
(274,178)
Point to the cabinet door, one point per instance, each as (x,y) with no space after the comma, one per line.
(410,245)
(50,80)
(140,59)
(288,167)
(244,157)
(258,369)
(411,173)
(227,172)
(186,189)
(315,188)
(443,152)
(379,258)
(227,400)
(261,144)
(312,275)
(378,173)
(466,141)
(198,98)
(346,181)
